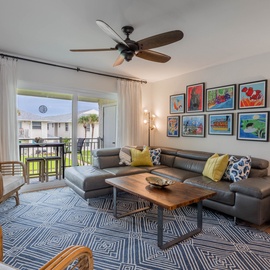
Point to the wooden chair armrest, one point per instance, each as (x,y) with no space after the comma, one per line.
(13,168)
(79,256)
(1,185)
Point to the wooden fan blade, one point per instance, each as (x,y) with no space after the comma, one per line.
(120,59)
(153,56)
(160,40)
(93,50)
(109,31)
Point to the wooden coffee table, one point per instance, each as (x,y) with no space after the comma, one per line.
(170,197)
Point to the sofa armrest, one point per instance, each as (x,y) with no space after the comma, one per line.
(254,187)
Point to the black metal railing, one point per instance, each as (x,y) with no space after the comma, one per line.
(84,156)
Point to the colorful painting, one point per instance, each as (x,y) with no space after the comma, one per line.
(220,124)
(195,97)
(177,103)
(253,126)
(252,95)
(193,126)
(173,126)
(220,98)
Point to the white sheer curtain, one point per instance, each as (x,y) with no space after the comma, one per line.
(8,110)
(129,128)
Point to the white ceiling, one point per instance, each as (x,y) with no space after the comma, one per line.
(215,32)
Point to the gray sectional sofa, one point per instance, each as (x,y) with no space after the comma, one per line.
(247,199)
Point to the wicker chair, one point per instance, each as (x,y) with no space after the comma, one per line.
(73,257)
(12,178)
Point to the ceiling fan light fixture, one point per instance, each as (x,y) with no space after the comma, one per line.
(128,55)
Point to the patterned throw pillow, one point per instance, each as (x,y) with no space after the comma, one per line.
(155,156)
(238,169)
(125,155)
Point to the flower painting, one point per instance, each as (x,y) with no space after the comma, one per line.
(252,95)
(253,126)
(193,126)
(173,126)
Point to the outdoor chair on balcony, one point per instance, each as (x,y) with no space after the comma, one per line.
(80,143)
(12,178)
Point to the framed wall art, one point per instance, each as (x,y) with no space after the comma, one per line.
(194,96)
(173,126)
(177,103)
(220,124)
(253,126)
(220,98)
(252,95)
(193,125)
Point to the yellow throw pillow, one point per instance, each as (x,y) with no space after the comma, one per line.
(140,158)
(215,166)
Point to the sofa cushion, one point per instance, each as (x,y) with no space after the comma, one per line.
(126,170)
(191,154)
(87,177)
(174,173)
(222,188)
(106,161)
(215,167)
(101,152)
(238,169)
(166,160)
(141,158)
(192,165)
(11,182)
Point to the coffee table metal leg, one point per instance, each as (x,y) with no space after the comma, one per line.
(128,213)
(182,237)
(160,227)
(114,201)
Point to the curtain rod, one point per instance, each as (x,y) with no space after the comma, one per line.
(71,68)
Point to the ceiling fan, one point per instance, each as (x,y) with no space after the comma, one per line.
(128,48)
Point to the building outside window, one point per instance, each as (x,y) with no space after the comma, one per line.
(36,125)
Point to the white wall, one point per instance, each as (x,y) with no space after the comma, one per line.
(251,69)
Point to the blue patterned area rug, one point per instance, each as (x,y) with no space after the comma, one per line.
(48,221)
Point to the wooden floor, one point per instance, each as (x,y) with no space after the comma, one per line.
(265,227)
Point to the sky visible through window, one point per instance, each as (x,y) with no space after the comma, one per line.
(54,106)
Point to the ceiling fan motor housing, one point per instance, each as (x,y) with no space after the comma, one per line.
(127,52)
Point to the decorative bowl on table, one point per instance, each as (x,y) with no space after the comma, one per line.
(159,181)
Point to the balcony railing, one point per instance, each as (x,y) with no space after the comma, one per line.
(84,157)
